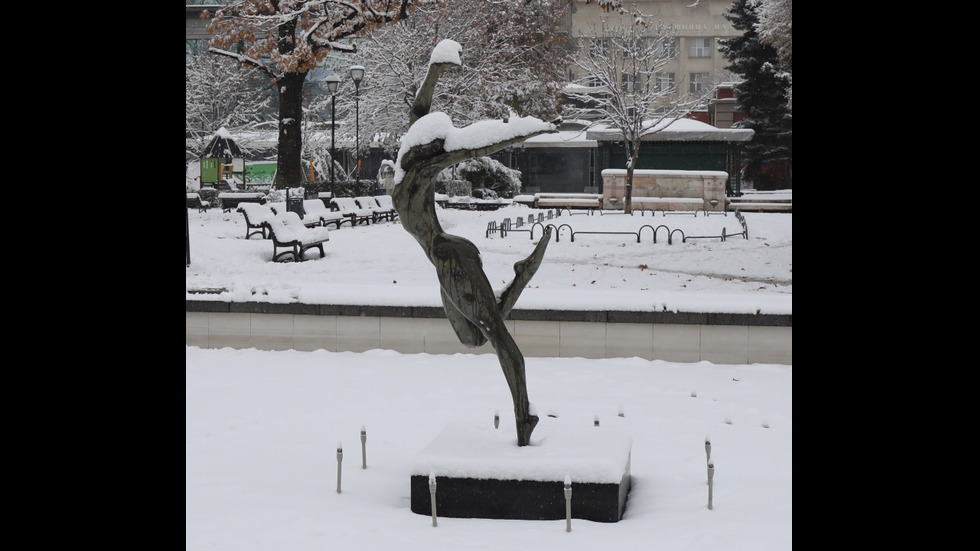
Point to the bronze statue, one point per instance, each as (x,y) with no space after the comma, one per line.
(477,316)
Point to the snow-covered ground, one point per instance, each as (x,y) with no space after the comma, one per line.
(382,264)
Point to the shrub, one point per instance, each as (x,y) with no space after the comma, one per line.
(492,175)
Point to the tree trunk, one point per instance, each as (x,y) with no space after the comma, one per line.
(289,170)
(630,163)
(628,201)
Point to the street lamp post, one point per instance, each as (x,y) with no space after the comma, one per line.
(356,74)
(333,82)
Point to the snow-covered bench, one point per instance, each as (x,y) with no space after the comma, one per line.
(194,201)
(368,202)
(231,199)
(349,208)
(315,209)
(257,219)
(387,205)
(568,200)
(288,232)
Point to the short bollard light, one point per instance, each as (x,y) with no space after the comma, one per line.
(432,495)
(711,476)
(568,503)
(595,421)
(363,447)
(707,449)
(496,419)
(340,459)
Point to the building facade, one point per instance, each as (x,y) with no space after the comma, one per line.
(698,25)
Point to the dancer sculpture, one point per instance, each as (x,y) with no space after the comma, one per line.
(476,314)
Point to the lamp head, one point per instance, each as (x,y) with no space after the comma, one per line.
(333,83)
(357,73)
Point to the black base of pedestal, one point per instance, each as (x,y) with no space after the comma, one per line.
(519,499)
(480,472)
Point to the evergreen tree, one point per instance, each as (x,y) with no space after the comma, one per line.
(762,96)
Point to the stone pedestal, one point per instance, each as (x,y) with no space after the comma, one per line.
(480,472)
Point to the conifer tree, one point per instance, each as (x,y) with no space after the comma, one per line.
(762,96)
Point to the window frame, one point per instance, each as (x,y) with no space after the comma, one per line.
(698,81)
(697,49)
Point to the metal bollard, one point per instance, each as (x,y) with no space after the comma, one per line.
(622,413)
(496,419)
(432,495)
(568,503)
(595,422)
(711,476)
(363,447)
(340,459)
(707,449)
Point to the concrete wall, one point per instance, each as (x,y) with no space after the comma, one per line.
(706,185)
(669,336)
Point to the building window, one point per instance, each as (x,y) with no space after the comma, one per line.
(665,82)
(594,81)
(700,47)
(699,82)
(667,48)
(631,82)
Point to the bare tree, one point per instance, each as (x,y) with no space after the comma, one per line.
(219,92)
(515,59)
(286,39)
(625,84)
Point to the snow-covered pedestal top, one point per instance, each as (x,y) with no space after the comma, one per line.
(559,448)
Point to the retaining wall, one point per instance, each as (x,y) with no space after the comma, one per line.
(669,336)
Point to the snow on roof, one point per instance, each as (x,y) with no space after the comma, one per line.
(678,130)
(563,138)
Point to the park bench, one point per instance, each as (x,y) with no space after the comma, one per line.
(194,201)
(315,213)
(387,205)
(257,219)
(349,207)
(589,201)
(288,232)
(367,202)
(231,199)
(315,209)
